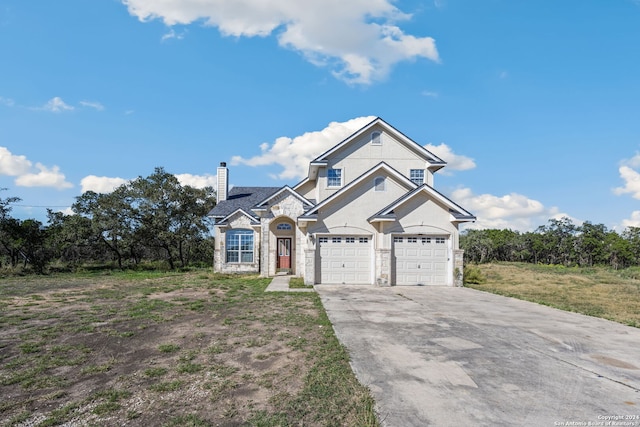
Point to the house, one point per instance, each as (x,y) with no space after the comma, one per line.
(367,213)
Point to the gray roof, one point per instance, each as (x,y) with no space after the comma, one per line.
(243,198)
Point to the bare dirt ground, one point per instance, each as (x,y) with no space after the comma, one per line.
(193,349)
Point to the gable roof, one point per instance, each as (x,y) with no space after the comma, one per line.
(459,214)
(374,170)
(435,163)
(262,205)
(241,198)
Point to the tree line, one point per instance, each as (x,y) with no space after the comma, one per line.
(559,242)
(153,219)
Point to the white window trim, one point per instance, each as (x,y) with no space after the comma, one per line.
(384,184)
(423,176)
(379,139)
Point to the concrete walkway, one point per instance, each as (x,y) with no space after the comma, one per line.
(444,356)
(280,283)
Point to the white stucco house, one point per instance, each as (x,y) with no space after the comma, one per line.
(367,213)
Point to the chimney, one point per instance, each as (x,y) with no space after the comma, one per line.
(223,182)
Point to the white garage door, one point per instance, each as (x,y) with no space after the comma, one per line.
(420,260)
(345,259)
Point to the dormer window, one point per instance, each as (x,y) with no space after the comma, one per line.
(379,184)
(376,138)
(334,178)
(417,176)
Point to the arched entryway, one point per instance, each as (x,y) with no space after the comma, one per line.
(284,231)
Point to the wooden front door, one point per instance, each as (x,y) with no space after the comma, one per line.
(284,253)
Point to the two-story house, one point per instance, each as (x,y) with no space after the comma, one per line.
(367,213)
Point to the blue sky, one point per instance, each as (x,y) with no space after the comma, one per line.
(535,105)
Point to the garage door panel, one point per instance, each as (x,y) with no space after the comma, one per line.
(345,259)
(420,260)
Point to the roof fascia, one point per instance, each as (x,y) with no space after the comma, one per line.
(291,191)
(242,211)
(433,193)
(358,180)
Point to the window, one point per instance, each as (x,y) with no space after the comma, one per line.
(240,246)
(323,240)
(412,240)
(426,240)
(283,226)
(398,239)
(376,139)
(363,240)
(334,178)
(379,184)
(440,240)
(417,176)
(336,240)
(350,239)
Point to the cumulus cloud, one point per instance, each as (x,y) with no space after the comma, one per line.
(92,104)
(514,211)
(359,40)
(101,184)
(11,164)
(197,181)
(294,154)
(56,105)
(44,177)
(29,176)
(454,161)
(631,177)
(634,221)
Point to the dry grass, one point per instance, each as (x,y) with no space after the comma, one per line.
(599,292)
(174,349)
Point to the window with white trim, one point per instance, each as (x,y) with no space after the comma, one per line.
(334,178)
(283,226)
(350,239)
(336,240)
(323,240)
(417,176)
(440,240)
(398,239)
(376,138)
(363,240)
(239,246)
(379,184)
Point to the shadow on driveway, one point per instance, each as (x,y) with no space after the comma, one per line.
(443,356)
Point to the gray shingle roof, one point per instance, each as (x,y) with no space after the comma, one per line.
(243,198)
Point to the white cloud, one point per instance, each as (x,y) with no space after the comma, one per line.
(294,154)
(634,221)
(197,181)
(631,177)
(171,34)
(28,176)
(45,177)
(56,105)
(90,104)
(101,184)
(11,164)
(454,161)
(358,39)
(429,94)
(514,211)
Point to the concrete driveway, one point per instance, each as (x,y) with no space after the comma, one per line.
(442,356)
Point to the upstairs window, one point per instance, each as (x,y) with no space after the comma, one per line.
(417,176)
(376,138)
(379,184)
(283,226)
(334,178)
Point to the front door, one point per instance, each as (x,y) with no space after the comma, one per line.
(284,253)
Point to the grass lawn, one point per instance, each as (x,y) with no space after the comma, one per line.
(597,291)
(171,349)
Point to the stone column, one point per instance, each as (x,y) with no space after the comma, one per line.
(458,267)
(309,266)
(383,267)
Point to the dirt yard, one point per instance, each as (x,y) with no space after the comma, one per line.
(188,349)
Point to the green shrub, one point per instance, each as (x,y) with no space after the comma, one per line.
(473,276)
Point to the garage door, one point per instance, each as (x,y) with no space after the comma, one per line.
(345,259)
(420,260)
